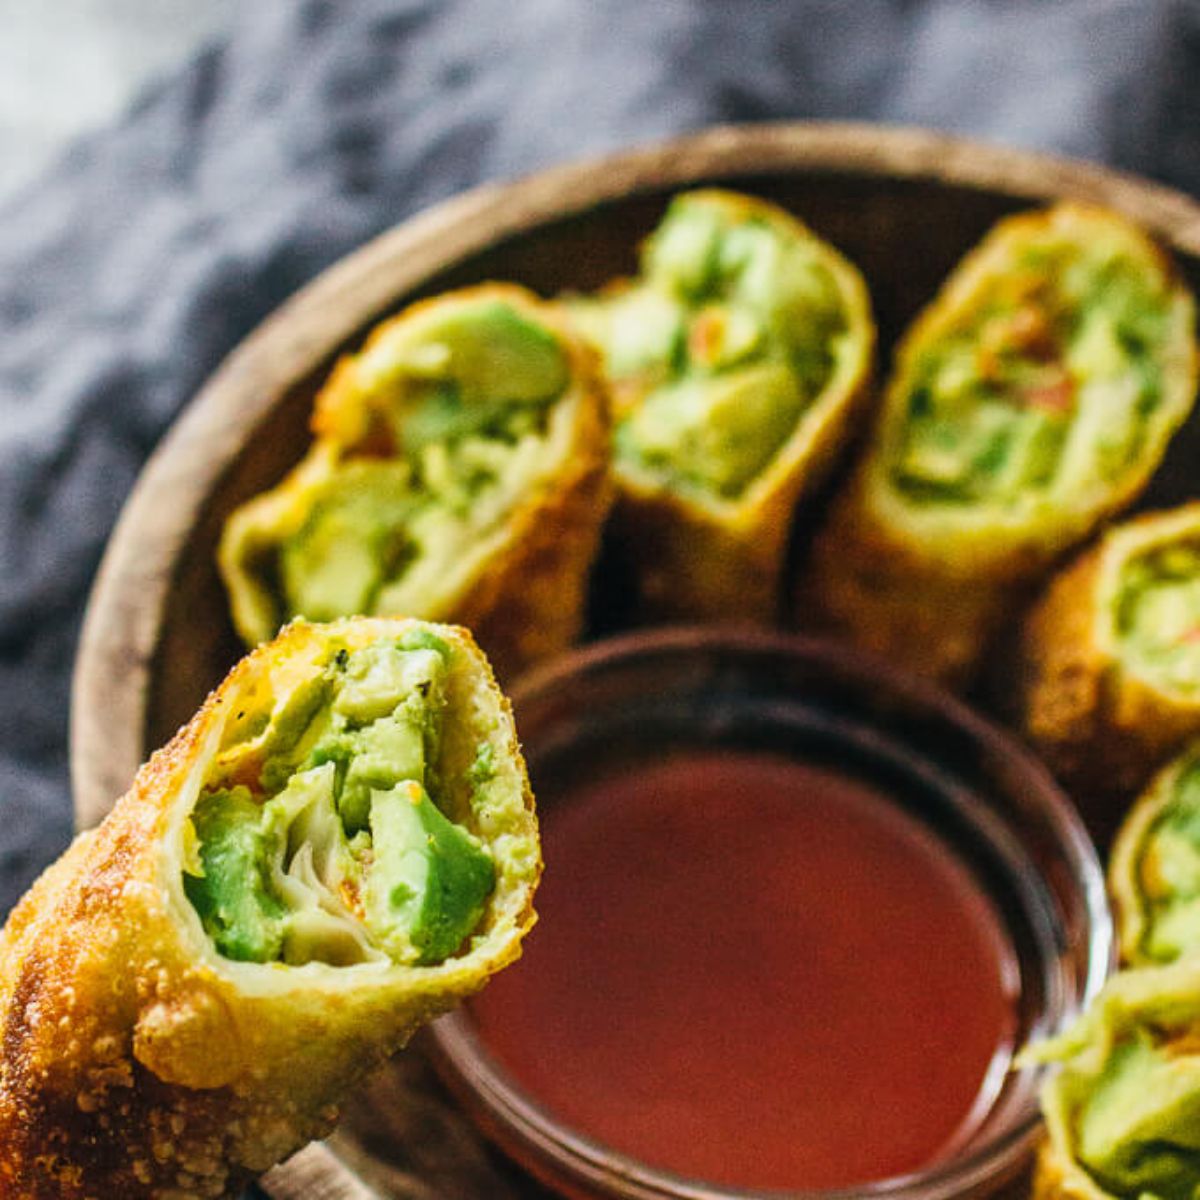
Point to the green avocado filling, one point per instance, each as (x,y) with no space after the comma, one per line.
(1158,614)
(1045,382)
(1139,1127)
(1125,1103)
(731,330)
(460,399)
(325,842)
(1168,870)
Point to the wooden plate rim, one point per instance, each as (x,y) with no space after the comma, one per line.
(124,612)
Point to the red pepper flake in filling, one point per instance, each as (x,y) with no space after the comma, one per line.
(627,393)
(1180,1044)
(348,891)
(1057,396)
(1026,333)
(247,773)
(706,337)
(1031,334)
(378,441)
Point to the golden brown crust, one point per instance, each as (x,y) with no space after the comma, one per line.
(694,565)
(1061,680)
(1100,727)
(136,1062)
(711,559)
(525,598)
(1057,1177)
(866,585)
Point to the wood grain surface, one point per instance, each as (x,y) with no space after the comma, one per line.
(903,204)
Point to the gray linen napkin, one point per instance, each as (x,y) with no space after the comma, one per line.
(129,270)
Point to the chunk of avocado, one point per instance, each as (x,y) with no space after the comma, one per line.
(233,896)
(439,415)
(488,350)
(422,639)
(429,882)
(377,756)
(957,451)
(682,254)
(378,677)
(719,431)
(389,704)
(352,542)
(293,725)
(1139,1132)
(782,281)
(640,330)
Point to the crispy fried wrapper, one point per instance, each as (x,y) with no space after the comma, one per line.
(1154,868)
(1108,680)
(1056,1177)
(167,1038)
(460,472)
(1030,401)
(1123,1111)
(1123,1114)
(739,359)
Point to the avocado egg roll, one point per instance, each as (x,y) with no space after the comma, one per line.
(459,472)
(1031,400)
(1154,869)
(737,359)
(1123,1112)
(1109,677)
(339,846)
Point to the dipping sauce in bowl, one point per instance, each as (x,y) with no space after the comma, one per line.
(741,958)
(798,915)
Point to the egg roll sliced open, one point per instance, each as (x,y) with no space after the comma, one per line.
(738,359)
(1109,679)
(1154,869)
(339,846)
(1123,1112)
(1031,400)
(460,472)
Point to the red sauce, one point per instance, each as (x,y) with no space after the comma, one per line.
(757,973)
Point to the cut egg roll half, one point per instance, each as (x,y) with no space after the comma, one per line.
(1109,676)
(338,847)
(1031,400)
(737,359)
(459,472)
(1123,1112)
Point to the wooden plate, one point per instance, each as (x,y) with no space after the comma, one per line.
(903,204)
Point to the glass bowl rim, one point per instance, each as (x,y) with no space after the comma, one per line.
(511,1113)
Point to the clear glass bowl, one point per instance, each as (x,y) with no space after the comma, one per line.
(988,799)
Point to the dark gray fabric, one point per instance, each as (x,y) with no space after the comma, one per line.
(129,270)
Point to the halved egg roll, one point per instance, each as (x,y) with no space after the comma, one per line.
(737,358)
(339,846)
(1031,400)
(1154,870)
(1109,677)
(1123,1113)
(460,472)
